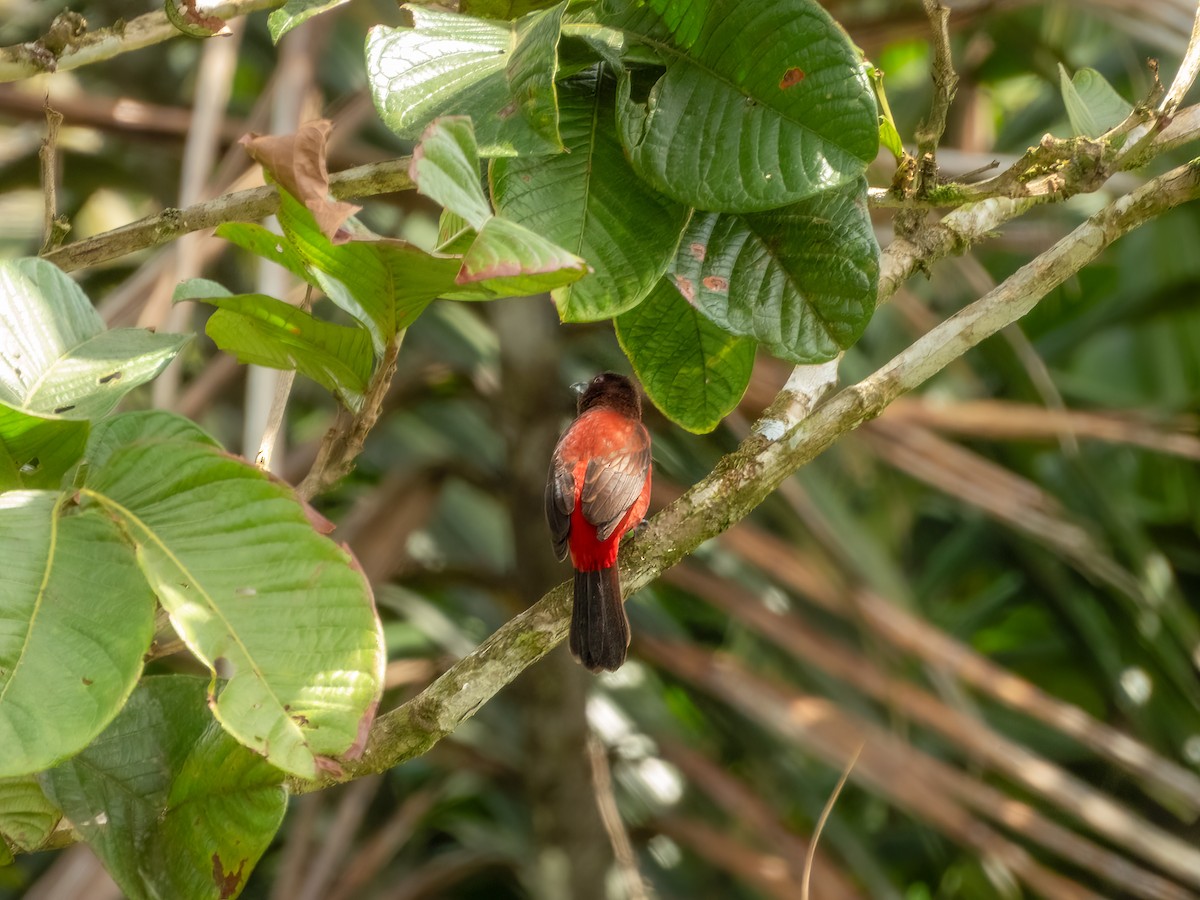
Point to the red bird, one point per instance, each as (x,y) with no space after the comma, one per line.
(598,489)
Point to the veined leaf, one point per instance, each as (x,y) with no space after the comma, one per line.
(801,280)
(67,662)
(508,260)
(56,357)
(171,804)
(500,74)
(505,259)
(384,284)
(445,168)
(246,579)
(1093,106)
(763,103)
(270,246)
(26,815)
(589,201)
(268,332)
(693,371)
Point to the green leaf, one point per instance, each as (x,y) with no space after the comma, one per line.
(502,9)
(384,284)
(889,137)
(263,242)
(454,234)
(499,74)
(445,168)
(239,568)
(508,260)
(297,12)
(171,804)
(35,451)
(26,815)
(56,357)
(77,618)
(268,332)
(763,103)
(801,280)
(143,425)
(1093,106)
(505,259)
(589,201)
(691,369)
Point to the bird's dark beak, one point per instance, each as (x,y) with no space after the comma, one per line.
(579,387)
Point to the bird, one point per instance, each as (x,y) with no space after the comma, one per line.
(597,489)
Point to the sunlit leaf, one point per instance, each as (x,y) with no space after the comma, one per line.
(56,357)
(295,13)
(268,332)
(499,74)
(76,618)
(247,581)
(1093,106)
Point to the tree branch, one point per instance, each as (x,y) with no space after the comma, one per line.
(242,206)
(945,83)
(68,44)
(742,479)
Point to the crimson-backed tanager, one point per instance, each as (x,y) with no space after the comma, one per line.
(598,489)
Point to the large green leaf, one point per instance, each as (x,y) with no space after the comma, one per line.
(142,425)
(800,280)
(267,332)
(500,74)
(763,102)
(589,201)
(693,371)
(172,805)
(26,815)
(75,618)
(56,357)
(35,451)
(254,590)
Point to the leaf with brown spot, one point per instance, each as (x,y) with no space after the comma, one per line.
(228,883)
(791,78)
(298,162)
(172,805)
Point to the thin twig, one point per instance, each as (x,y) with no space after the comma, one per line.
(606,803)
(945,83)
(825,813)
(1188,70)
(54,229)
(344,440)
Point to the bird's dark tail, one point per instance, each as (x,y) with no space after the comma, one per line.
(599,626)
